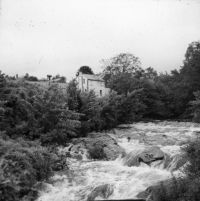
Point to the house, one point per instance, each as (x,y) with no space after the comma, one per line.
(87,82)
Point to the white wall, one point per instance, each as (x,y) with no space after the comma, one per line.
(82,83)
(98,86)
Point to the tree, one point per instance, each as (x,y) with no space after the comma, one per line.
(150,73)
(26,76)
(123,83)
(62,79)
(91,108)
(59,79)
(191,68)
(49,77)
(36,113)
(32,78)
(73,96)
(121,71)
(123,63)
(2,84)
(85,70)
(55,121)
(173,93)
(185,82)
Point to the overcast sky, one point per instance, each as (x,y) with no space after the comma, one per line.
(43,37)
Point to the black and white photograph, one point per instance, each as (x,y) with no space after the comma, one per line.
(99,100)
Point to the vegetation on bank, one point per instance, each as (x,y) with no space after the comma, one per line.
(33,118)
(30,119)
(22,165)
(186,188)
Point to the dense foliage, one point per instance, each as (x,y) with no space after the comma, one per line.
(164,96)
(32,112)
(22,165)
(31,116)
(85,70)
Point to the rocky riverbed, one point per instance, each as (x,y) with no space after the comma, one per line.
(122,163)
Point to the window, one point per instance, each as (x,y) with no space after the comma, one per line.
(83,81)
(100,92)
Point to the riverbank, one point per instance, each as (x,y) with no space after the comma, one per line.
(121,180)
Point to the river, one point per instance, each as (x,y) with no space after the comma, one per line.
(126,182)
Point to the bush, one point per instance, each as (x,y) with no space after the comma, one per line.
(22,165)
(32,112)
(32,78)
(91,107)
(109,111)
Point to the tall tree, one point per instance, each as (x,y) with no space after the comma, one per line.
(73,96)
(123,63)
(191,68)
(85,70)
(123,83)
(150,73)
(122,72)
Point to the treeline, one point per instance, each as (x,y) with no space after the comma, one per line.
(57,78)
(163,96)
(142,94)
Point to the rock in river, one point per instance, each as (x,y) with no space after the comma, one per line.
(103,191)
(99,146)
(148,155)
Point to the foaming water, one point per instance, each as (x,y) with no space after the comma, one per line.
(131,146)
(127,182)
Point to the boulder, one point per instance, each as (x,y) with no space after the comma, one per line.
(99,146)
(103,191)
(148,155)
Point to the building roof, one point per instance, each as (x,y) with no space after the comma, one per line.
(93,77)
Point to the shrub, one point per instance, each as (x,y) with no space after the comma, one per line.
(91,107)
(109,111)
(35,113)
(22,165)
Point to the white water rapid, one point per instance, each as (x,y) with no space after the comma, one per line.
(127,182)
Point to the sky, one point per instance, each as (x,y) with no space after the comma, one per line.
(43,37)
